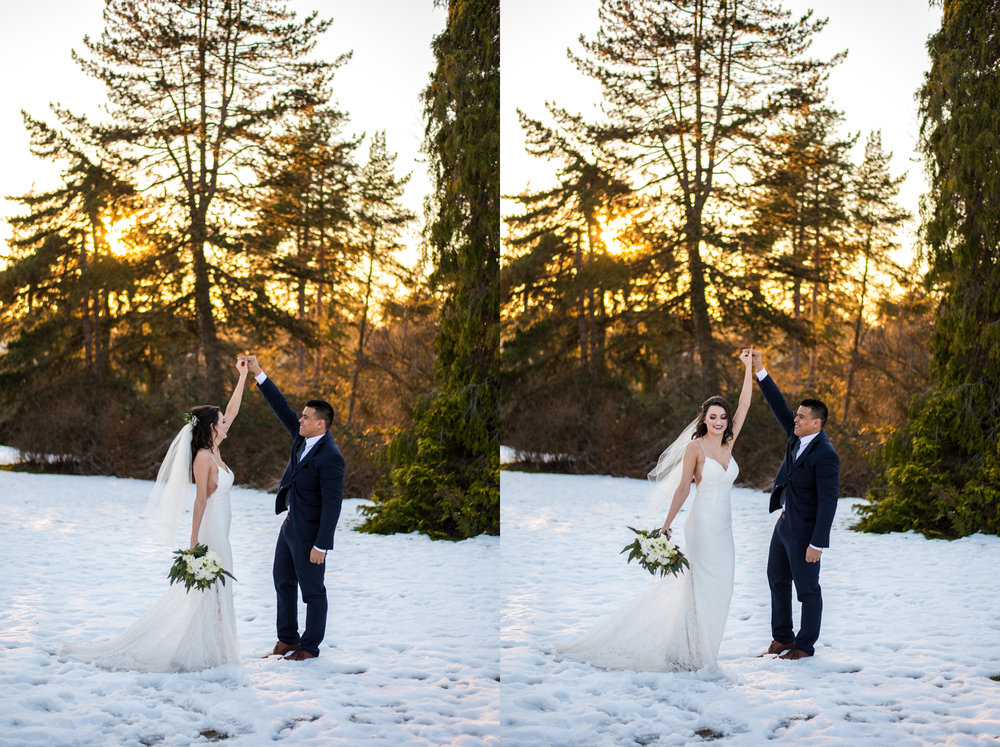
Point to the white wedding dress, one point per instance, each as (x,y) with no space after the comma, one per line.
(184,630)
(677,624)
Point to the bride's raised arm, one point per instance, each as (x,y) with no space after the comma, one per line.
(234,402)
(745,395)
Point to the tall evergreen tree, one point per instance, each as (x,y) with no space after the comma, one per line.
(380,221)
(687,87)
(73,218)
(876,218)
(798,226)
(942,470)
(195,88)
(300,241)
(560,275)
(445,470)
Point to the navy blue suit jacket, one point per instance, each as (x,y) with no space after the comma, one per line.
(312,490)
(811,482)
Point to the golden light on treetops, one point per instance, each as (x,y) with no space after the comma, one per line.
(117,235)
(614,234)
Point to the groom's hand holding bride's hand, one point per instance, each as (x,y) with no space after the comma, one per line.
(251,361)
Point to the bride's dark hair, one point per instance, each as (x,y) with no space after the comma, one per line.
(202,431)
(701,429)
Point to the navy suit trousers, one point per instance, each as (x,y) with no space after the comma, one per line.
(292,569)
(786,564)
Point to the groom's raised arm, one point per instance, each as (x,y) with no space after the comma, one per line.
(273,396)
(774,398)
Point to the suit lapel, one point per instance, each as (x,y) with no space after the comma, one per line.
(313,450)
(808,448)
(793,445)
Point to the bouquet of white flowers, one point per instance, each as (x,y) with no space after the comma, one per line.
(199,567)
(656,553)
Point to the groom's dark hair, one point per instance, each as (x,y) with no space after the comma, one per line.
(817,408)
(323,410)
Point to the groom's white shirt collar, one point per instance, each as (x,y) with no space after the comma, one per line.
(310,442)
(804,442)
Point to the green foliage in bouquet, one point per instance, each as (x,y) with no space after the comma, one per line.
(197,567)
(656,553)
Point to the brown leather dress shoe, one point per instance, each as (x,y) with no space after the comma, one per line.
(795,653)
(776,648)
(280,649)
(300,654)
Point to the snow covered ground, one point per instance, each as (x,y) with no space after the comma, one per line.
(910,638)
(410,656)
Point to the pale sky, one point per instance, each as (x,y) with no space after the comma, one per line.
(379,87)
(874,86)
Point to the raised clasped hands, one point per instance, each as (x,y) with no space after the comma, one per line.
(251,363)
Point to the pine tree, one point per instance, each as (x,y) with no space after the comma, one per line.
(942,470)
(560,275)
(444,471)
(380,220)
(195,89)
(798,228)
(301,239)
(876,218)
(687,87)
(63,239)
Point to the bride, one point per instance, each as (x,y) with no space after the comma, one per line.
(677,623)
(185,630)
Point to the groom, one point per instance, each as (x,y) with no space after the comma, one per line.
(805,490)
(311,490)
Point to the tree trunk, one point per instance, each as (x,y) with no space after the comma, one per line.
(88,356)
(581,318)
(362,332)
(700,318)
(98,337)
(207,335)
(814,314)
(321,262)
(300,348)
(852,366)
(592,352)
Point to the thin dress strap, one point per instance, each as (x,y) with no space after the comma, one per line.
(226,469)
